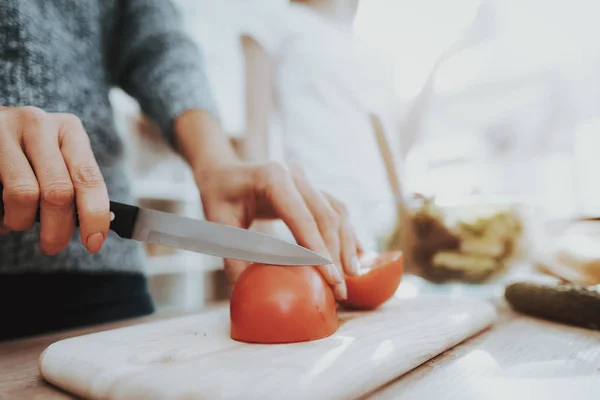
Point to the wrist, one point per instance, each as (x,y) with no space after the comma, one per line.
(202,142)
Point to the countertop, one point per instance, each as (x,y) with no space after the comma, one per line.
(518,357)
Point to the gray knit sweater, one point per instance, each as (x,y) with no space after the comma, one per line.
(64,56)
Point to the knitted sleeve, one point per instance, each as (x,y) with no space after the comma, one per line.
(154,61)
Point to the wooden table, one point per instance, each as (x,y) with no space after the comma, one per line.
(519,358)
(19,375)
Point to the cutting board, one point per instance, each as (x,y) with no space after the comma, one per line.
(193,357)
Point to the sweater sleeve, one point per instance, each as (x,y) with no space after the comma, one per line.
(154,61)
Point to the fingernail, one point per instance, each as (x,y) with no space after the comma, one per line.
(355,266)
(336,273)
(94,242)
(340,291)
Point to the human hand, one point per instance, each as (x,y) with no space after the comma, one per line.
(237,194)
(46,162)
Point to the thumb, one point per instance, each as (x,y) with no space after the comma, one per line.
(234,268)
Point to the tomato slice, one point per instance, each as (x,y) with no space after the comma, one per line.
(272,304)
(378,280)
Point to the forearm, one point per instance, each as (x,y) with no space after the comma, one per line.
(153,60)
(201,141)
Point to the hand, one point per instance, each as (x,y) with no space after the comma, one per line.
(237,194)
(234,193)
(46,161)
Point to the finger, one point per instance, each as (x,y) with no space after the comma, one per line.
(348,243)
(328,220)
(91,194)
(57,223)
(349,249)
(341,208)
(234,268)
(360,249)
(20,194)
(277,186)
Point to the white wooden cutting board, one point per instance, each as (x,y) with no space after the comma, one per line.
(193,357)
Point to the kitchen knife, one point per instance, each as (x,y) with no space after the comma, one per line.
(145,225)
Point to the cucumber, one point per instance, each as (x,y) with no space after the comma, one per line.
(567,303)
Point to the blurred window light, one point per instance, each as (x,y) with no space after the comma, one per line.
(413,33)
(516,80)
(465,67)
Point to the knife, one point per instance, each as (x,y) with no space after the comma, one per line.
(150,226)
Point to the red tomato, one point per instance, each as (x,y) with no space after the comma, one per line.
(272,304)
(377,282)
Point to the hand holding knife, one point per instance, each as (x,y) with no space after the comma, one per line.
(145,225)
(47,163)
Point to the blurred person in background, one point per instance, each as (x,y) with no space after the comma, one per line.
(59,151)
(328,83)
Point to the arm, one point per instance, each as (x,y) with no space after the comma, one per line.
(201,141)
(153,60)
(158,65)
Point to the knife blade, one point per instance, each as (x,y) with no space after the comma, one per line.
(151,226)
(218,240)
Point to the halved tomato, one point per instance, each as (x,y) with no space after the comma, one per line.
(378,280)
(273,304)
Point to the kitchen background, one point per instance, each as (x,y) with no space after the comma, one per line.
(472,102)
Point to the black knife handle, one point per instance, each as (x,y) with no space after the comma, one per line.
(123,217)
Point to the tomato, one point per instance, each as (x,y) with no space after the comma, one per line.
(377,281)
(274,304)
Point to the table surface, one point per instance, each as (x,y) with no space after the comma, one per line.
(518,357)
